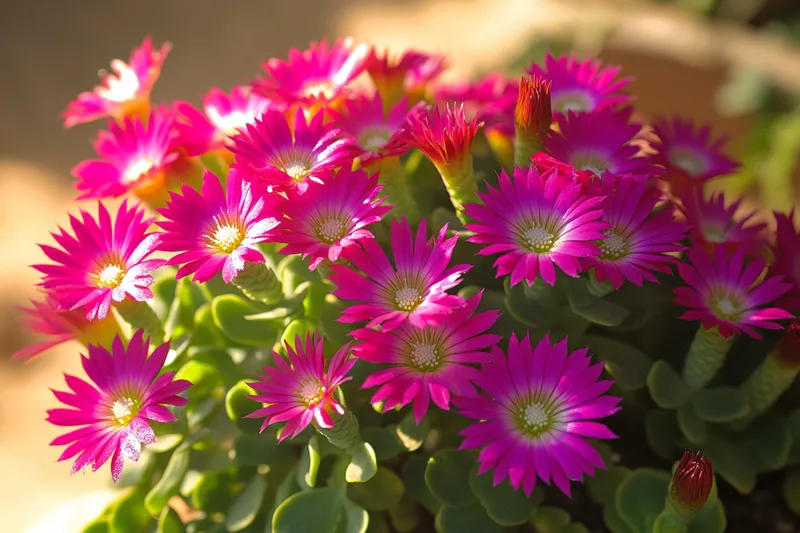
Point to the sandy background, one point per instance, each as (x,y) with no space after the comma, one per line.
(52,50)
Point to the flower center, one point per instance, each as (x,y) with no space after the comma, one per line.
(407,298)
(227,237)
(319,89)
(311,391)
(425,357)
(124,410)
(535,418)
(331,230)
(572,101)
(538,239)
(373,138)
(727,306)
(689,160)
(592,161)
(714,233)
(231,123)
(110,276)
(137,170)
(614,246)
(123,86)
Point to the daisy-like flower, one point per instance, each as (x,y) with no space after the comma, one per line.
(412,289)
(282,159)
(330,217)
(786,263)
(124,93)
(688,154)
(480,98)
(104,260)
(537,221)
(408,75)
(60,326)
(637,242)
(314,78)
(723,291)
(711,222)
(223,116)
(599,142)
(539,407)
(582,85)
(135,157)
(216,230)
(428,363)
(376,133)
(114,411)
(302,389)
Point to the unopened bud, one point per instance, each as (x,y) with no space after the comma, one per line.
(787,351)
(532,118)
(691,483)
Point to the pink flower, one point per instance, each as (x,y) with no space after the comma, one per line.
(316,77)
(536,222)
(302,389)
(538,410)
(689,154)
(281,159)
(428,363)
(598,142)
(60,326)
(134,157)
(483,98)
(222,117)
(376,134)
(330,217)
(123,93)
(582,85)
(712,223)
(723,291)
(408,75)
(104,260)
(115,410)
(638,241)
(216,230)
(412,289)
(786,251)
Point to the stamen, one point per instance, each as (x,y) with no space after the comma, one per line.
(124,410)
(138,169)
(538,239)
(407,298)
(614,246)
(331,230)
(110,276)
(425,357)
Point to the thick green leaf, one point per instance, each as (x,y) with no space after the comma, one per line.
(247,505)
(180,317)
(732,461)
(308,466)
(380,493)
(549,519)
(212,493)
(666,387)
(101,525)
(663,434)
(613,520)
(231,315)
(355,520)
(299,327)
(414,477)
(447,477)
(722,404)
(791,490)
(526,310)
(378,523)
(169,483)
(287,487)
(405,515)
(628,365)
(363,464)
(709,519)
(383,441)
(170,522)
(575,528)
(506,506)
(238,405)
(770,440)
(595,310)
(254,450)
(316,510)
(206,391)
(470,517)
(165,443)
(130,514)
(641,496)
(205,332)
(603,485)
(411,434)
(692,426)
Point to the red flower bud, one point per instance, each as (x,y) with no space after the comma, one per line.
(691,483)
(533,113)
(787,351)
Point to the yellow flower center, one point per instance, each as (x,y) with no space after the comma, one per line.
(425,357)
(727,305)
(226,237)
(311,391)
(320,89)
(138,169)
(538,239)
(535,418)
(124,410)
(110,276)
(407,298)
(331,230)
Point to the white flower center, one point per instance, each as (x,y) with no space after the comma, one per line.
(713,233)
(425,357)
(297,171)
(322,89)
(572,101)
(110,276)
(407,298)
(727,306)
(538,239)
(614,246)
(122,87)
(689,160)
(331,230)
(123,411)
(231,123)
(311,391)
(137,169)
(592,161)
(373,139)
(227,237)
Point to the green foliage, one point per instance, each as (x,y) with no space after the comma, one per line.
(447,477)
(666,387)
(506,506)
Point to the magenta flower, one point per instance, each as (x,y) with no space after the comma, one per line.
(536,222)
(318,76)
(538,410)
(222,117)
(409,74)
(121,94)
(724,291)
(638,241)
(786,261)
(688,153)
(330,217)
(103,261)
(302,389)
(376,134)
(412,289)
(599,142)
(280,159)
(428,363)
(216,230)
(712,223)
(582,85)
(135,156)
(484,98)
(115,410)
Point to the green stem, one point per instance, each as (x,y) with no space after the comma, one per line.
(460,185)
(705,357)
(670,521)
(139,315)
(344,434)
(525,147)
(259,283)
(395,186)
(767,383)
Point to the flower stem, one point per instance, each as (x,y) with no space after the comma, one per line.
(395,186)
(705,357)
(139,315)
(259,283)
(459,180)
(670,521)
(524,148)
(344,434)
(767,383)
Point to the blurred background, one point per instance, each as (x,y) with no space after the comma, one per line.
(732,63)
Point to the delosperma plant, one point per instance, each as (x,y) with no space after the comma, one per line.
(350,297)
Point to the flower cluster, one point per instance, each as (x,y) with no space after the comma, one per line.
(284,220)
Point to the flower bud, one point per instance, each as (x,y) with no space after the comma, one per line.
(691,483)
(532,118)
(787,351)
